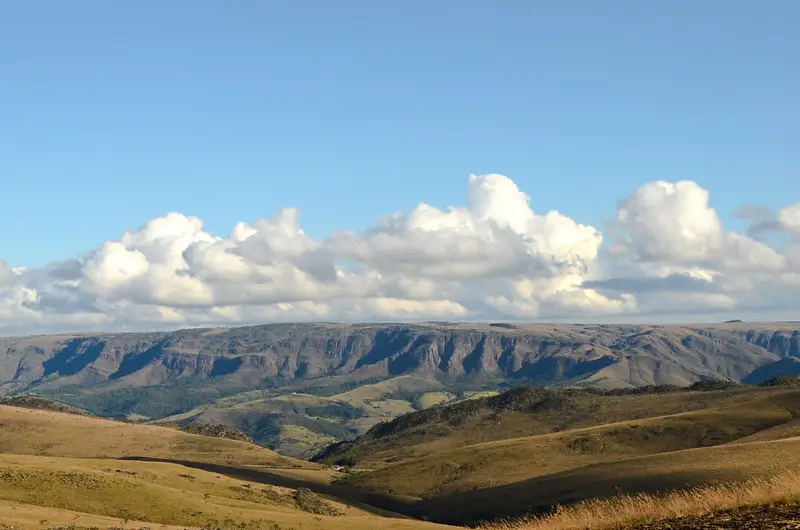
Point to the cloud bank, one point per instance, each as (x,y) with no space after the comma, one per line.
(665,256)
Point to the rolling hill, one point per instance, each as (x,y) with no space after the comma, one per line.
(296,388)
(57,434)
(531,448)
(649,474)
(77,471)
(501,456)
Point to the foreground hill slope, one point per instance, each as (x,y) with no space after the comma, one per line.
(72,469)
(645,474)
(757,503)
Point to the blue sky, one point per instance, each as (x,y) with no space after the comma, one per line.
(112,113)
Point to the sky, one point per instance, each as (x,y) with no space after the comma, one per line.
(182,163)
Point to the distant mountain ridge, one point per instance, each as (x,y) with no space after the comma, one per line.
(548,354)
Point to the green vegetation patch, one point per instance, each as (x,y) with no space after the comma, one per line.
(156,401)
(215,431)
(783,380)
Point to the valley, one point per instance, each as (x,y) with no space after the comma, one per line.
(375,431)
(622,458)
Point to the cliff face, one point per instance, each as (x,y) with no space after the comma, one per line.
(605,355)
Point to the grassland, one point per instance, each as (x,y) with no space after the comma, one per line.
(424,472)
(742,504)
(92,472)
(525,412)
(649,474)
(430,399)
(26,516)
(613,458)
(168,494)
(528,450)
(48,433)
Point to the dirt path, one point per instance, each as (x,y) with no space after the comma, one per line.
(755,518)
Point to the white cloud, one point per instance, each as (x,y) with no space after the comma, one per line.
(789,219)
(665,221)
(492,258)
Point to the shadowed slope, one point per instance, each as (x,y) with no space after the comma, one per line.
(466,462)
(649,474)
(506,461)
(761,503)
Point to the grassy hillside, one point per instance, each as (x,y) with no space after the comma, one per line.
(58,468)
(756,503)
(171,494)
(520,452)
(48,433)
(506,461)
(647,474)
(529,449)
(523,412)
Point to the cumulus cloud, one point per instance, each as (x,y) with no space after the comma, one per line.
(665,221)
(789,219)
(672,225)
(493,258)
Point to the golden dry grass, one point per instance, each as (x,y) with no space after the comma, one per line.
(624,510)
(160,493)
(789,429)
(646,475)
(28,516)
(66,462)
(429,399)
(65,469)
(154,492)
(46,433)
